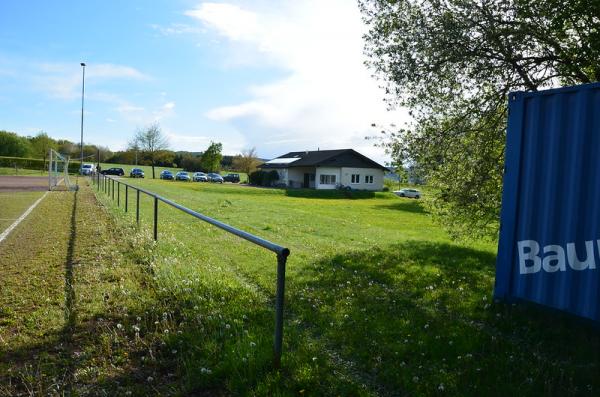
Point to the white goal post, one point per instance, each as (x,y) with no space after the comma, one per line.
(58,172)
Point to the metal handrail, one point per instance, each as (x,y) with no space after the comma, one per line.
(108,186)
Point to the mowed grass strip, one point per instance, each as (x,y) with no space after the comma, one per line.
(13,205)
(72,307)
(382,297)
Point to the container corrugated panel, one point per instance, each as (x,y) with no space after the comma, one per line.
(549,247)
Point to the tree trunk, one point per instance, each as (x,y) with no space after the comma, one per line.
(153,176)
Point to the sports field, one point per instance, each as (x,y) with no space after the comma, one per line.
(13,204)
(379,302)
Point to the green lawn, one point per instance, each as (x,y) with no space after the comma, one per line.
(13,204)
(63,300)
(379,301)
(22,172)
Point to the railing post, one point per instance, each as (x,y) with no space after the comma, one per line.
(137,206)
(278,343)
(126,197)
(155,218)
(118,194)
(113,189)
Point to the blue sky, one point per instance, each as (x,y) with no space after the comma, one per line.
(275,75)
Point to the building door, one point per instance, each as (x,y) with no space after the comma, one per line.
(306,181)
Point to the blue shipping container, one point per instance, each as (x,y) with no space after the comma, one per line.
(549,248)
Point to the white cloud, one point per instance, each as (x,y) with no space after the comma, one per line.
(232,21)
(327,100)
(232,142)
(176,29)
(126,108)
(166,110)
(63,81)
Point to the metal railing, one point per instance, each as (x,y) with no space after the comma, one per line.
(107,184)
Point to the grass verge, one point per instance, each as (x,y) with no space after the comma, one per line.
(380,301)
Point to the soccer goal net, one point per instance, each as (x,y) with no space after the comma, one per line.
(58,172)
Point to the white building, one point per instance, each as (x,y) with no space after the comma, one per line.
(327,169)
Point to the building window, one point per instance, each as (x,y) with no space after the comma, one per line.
(327,179)
(368,178)
(355,178)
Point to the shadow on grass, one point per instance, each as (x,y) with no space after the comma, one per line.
(70,309)
(405,205)
(329,194)
(417,319)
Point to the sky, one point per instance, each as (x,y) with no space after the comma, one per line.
(279,76)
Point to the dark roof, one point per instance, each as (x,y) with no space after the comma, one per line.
(326,158)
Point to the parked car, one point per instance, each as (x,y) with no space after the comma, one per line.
(215,177)
(412,193)
(199,177)
(113,171)
(88,169)
(136,173)
(166,174)
(182,176)
(235,178)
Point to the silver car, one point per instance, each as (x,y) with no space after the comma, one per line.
(213,177)
(199,177)
(411,193)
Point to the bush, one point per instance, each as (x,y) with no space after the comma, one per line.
(263,178)
(33,164)
(13,145)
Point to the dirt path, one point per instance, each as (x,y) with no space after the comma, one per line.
(23,183)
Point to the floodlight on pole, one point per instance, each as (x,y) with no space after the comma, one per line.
(82,96)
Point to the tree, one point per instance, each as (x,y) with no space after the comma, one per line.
(13,145)
(246,161)
(211,158)
(190,162)
(452,63)
(151,141)
(41,145)
(67,147)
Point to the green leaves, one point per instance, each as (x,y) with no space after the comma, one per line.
(211,158)
(453,64)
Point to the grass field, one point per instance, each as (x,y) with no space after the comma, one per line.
(380,301)
(13,204)
(59,269)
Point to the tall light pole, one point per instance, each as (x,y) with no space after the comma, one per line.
(82,96)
